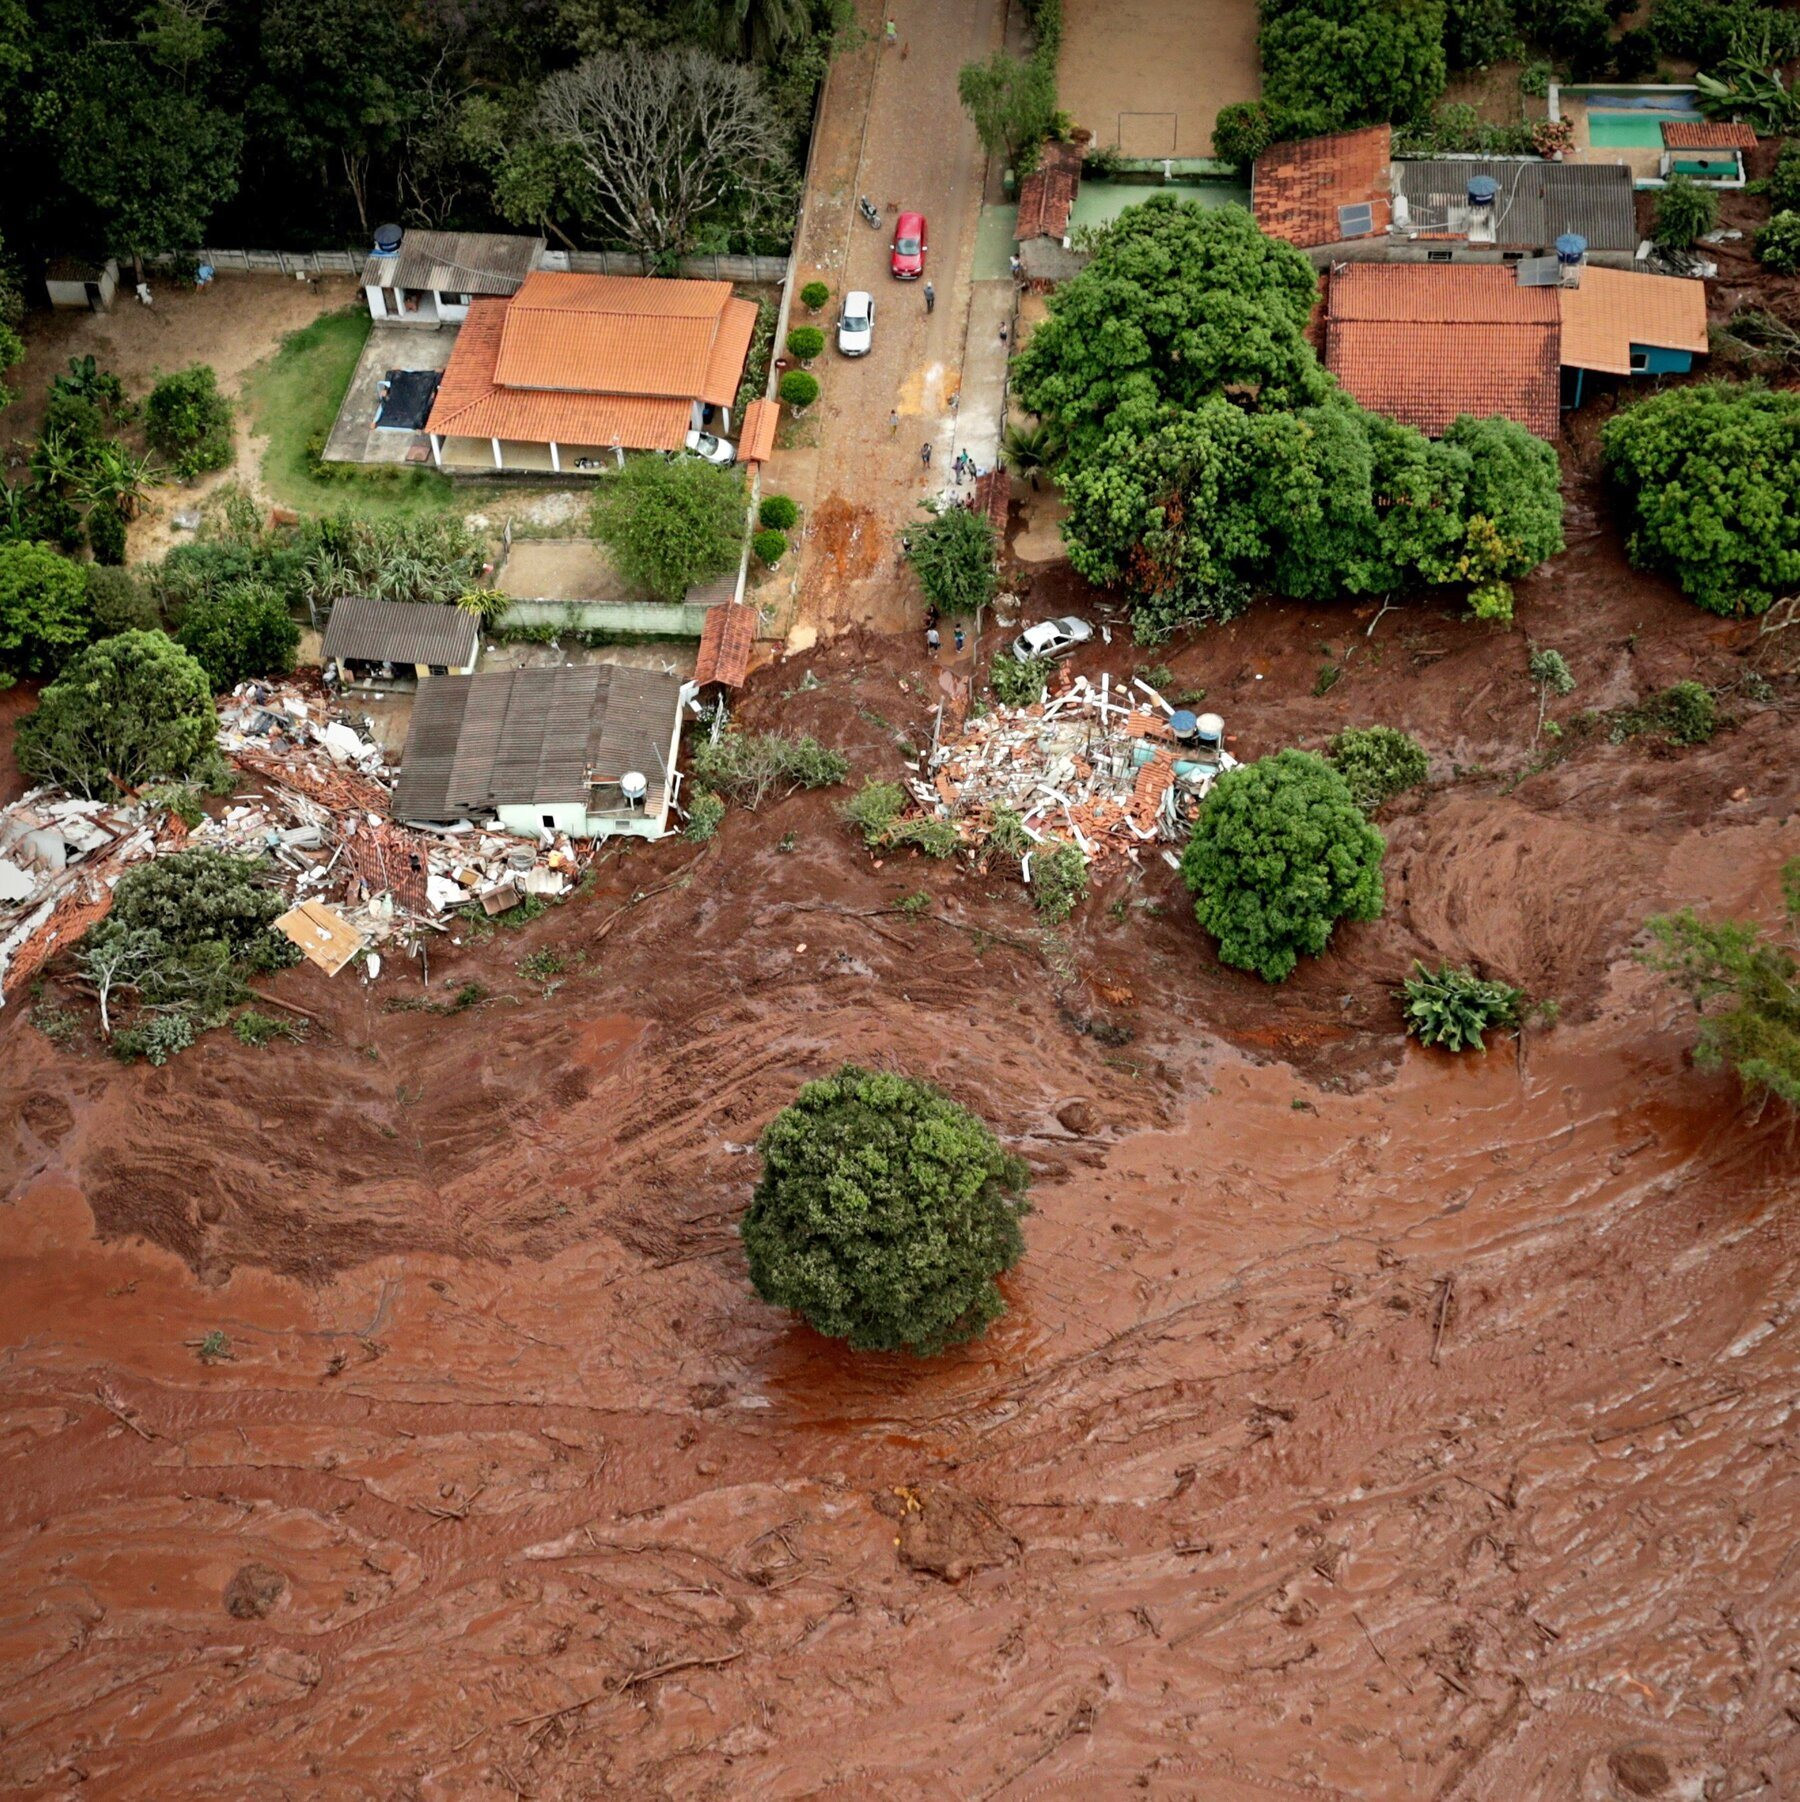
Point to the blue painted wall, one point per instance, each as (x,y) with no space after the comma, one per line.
(1663,362)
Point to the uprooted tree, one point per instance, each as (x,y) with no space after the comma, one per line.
(884,1213)
(1745,985)
(1279,854)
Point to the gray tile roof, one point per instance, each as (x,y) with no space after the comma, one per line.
(400,632)
(1538,201)
(519,737)
(456,262)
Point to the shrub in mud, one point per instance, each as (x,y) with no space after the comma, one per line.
(1454,1008)
(1279,854)
(884,1213)
(1745,984)
(748,767)
(1378,762)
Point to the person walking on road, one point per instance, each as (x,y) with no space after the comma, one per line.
(925,454)
(893,419)
(959,635)
(932,642)
(930,297)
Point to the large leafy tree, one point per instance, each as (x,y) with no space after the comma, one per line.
(1711,477)
(242,630)
(670,524)
(43,610)
(122,712)
(955,557)
(884,1213)
(1011,99)
(1179,302)
(1281,853)
(1361,62)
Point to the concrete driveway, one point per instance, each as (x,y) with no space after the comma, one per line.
(893,129)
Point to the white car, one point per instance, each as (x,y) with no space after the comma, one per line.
(714,450)
(1051,638)
(856,324)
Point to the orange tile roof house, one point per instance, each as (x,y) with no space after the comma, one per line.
(1319,193)
(573,367)
(1425,342)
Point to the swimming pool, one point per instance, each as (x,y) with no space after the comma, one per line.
(1630,131)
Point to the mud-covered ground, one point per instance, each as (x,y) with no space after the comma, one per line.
(1365,1423)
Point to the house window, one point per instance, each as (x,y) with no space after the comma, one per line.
(549,820)
(452,300)
(1512,256)
(1640,361)
(1438,256)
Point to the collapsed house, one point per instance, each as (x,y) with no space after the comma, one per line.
(582,750)
(1113,771)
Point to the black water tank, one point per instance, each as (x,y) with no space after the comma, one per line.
(387,239)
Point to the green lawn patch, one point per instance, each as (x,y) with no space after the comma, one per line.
(294,399)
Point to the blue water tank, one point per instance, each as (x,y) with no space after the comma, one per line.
(387,239)
(1184,725)
(1482,189)
(1571,247)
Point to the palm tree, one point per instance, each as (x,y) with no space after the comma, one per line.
(1028,450)
(758,29)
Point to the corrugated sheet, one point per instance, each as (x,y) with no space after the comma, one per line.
(456,262)
(370,631)
(1296,189)
(528,737)
(1538,201)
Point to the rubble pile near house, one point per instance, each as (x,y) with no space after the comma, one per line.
(1095,765)
(317,803)
(59,858)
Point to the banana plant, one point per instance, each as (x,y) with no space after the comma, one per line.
(115,475)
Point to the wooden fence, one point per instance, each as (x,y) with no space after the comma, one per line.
(582,262)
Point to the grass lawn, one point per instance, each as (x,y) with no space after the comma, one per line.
(294,398)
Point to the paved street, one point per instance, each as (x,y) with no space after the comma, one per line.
(894,130)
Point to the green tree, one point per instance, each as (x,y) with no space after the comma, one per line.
(1377,763)
(1179,302)
(123,712)
(1281,853)
(1360,62)
(1784,179)
(1478,33)
(884,1213)
(954,554)
(1745,985)
(1246,128)
(239,631)
(670,524)
(189,421)
(12,353)
(1684,212)
(1703,31)
(116,602)
(43,611)
(778,513)
(1710,477)
(798,389)
(769,545)
(805,342)
(1012,101)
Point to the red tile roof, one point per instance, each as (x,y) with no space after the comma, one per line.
(1296,189)
(1614,309)
(1707,134)
(756,439)
(726,641)
(594,359)
(1425,342)
(1048,193)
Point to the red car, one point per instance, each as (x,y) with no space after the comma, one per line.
(908,261)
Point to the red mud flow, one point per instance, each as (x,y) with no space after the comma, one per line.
(1364,1424)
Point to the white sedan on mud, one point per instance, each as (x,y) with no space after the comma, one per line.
(856,324)
(714,450)
(1051,638)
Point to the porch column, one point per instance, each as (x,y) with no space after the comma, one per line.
(555,461)
(618,451)
(437,448)
(725,429)
(495,442)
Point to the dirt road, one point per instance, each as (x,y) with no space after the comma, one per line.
(1365,1424)
(893,130)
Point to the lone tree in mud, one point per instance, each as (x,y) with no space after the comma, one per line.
(884,1213)
(1281,853)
